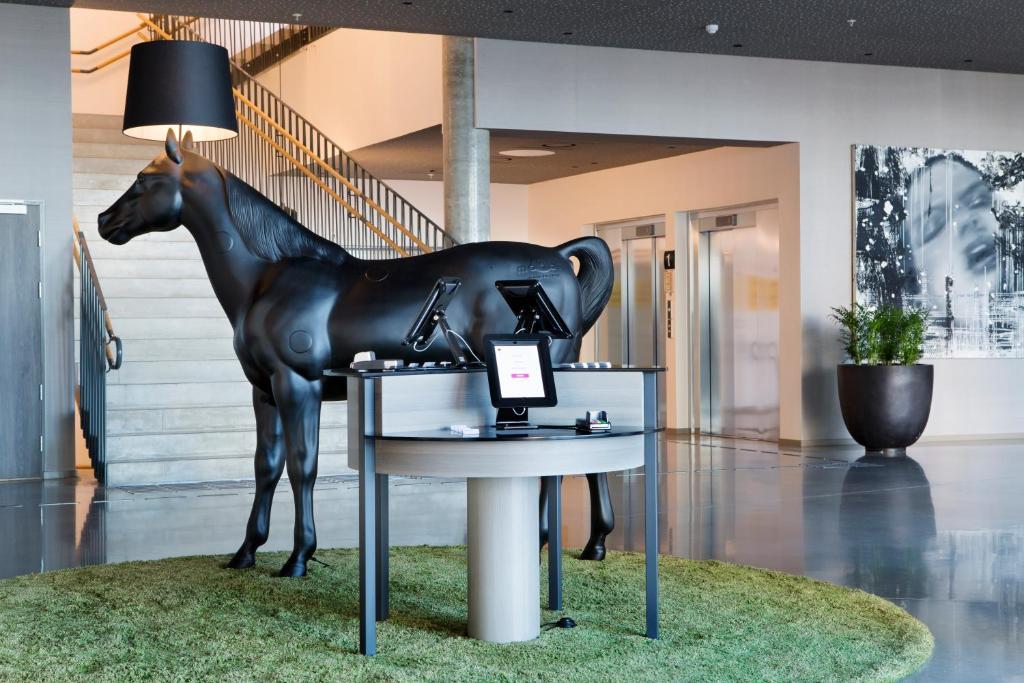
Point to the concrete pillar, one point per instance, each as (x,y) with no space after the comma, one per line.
(467,150)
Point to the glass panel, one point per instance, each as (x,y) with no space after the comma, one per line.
(641,307)
(756,328)
(608,329)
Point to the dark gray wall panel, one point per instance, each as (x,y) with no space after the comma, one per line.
(35,165)
(21,344)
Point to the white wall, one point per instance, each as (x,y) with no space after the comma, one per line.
(509,206)
(35,164)
(826,108)
(101,92)
(672,187)
(362,87)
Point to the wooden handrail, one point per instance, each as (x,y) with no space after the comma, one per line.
(322,185)
(313,156)
(108,43)
(107,62)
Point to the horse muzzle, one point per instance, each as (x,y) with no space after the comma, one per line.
(112,228)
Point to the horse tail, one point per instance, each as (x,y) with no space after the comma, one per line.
(596,275)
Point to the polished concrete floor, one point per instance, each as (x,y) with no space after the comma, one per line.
(940,533)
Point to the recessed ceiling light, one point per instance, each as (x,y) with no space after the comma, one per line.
(558,145)
(526,153)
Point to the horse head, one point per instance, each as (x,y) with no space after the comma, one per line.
(153,202)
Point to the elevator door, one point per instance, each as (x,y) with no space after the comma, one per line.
(630,331)
(739,315)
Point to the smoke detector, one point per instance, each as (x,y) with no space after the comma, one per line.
(712,29)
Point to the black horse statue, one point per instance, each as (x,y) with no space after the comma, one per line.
(300,304)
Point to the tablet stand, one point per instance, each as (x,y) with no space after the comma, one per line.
(513,418)
(457,353)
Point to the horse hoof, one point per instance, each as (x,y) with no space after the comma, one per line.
(293,569)
(593,551)
(243,559)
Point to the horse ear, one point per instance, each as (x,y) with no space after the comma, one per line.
(171,147)
(188,144)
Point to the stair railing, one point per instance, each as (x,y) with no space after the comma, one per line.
(96,357)
(137,31)
(295,164)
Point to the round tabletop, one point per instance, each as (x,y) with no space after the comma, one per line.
(509,453)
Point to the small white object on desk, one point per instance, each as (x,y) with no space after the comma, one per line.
(465,430)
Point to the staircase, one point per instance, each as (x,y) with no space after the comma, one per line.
(179,409)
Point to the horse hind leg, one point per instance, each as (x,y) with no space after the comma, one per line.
(269,463)
(298,401)
(602,516)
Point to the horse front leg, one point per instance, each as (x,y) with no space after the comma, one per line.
(602,516)
(269,463)
(298,402)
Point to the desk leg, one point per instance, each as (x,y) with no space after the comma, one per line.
(554,486)
(367,550)
(504,579)
(362,427)
(383,546)
(651,503)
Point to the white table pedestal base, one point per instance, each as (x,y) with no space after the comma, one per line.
(504,561)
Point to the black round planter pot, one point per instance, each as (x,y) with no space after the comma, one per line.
(885,407)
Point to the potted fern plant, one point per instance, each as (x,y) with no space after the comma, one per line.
(884,392)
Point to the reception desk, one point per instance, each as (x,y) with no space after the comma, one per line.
(398,425)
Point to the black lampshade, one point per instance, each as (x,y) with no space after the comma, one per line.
(184,83)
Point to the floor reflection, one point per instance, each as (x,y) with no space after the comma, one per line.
(940,533)
(886,540)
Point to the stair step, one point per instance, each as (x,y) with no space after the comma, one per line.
(111,136)
(102,181)
(235,467)
(153,288)
(198,445)
(124,308)
(203,419)
(120,267)
(108,165)
(177,372)
(98,196)
(137,350)
(173,328)
(103,150)
(141,248)
(97,121)
(87,224)
(178,395)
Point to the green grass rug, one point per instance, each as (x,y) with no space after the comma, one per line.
(188,619)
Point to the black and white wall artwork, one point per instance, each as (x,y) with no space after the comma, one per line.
(944,230)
